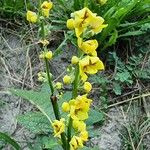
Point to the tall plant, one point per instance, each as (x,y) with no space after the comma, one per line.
(69,123)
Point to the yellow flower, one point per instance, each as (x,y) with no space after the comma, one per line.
(44,42)
(82,18)
(90,65)
(70,24)
(88,47)
(102,2)
(97,25)
(84,135)
(31,16)
(87,87)
(74,60)
(79,107)
(48,55)
(58,85)
(79,125)
(65,107)
(46,7)
(59,127)
(67,79)
(75,143)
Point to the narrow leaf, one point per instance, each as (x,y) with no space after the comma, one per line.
(9,140)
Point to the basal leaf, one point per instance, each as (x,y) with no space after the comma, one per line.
(94,117)
(35,122)
(40,99)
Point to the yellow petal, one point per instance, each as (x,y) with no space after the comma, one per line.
(84,135)
(91,70)
(79,31)
(82,115)
(84,61)
(100,65)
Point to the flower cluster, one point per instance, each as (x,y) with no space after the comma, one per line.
(84,23)
(78,109)
(46,6)
(32,17)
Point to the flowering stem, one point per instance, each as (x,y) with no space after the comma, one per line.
(55,104)
(57,116)
(53,98)
(74,95)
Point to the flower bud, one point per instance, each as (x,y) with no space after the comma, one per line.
(87,87)
(65,107)
(70,24)
(67,79)
(74,60)
(48,55)
(102,2)
(58,85)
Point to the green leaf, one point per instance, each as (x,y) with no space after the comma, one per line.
(113,38)
(66,97)
(117,88)
(40,99)
(123,76)
(132,33)
(90,148)
(35,122)
(94,117)
(50,143)
(46,142)
(9,140)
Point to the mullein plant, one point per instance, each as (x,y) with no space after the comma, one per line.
(71,130)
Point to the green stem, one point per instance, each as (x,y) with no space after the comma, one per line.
(74,95)
(49,77)
(55,104)
(85,3)
(75,84)
(42,30)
